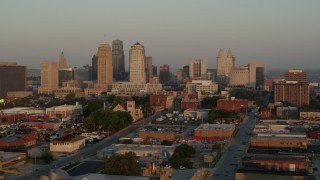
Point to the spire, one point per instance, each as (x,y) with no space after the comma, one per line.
(220,52)
(229,51)
(63,61)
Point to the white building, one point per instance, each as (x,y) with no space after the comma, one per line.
(65,111)
(137,67)
(68,144)
(129,87)
(206,86)
(225,63)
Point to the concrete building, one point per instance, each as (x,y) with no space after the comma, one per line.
(205,86)
(225,63)
(294,92)
(197,68)
(12,78)
(65,111)
(164,76)
(132,88)
(295,75)
(160,135)
(68,144)
(82,73)
(65,74)
(94,68)
(63,62)
(63,92)
(18,94)
(165,101)
(179,74)
(214,130)
(137,67)
(287,112)
(199,114)
(19,142)
(278,142)
(118,60)
(250,76)
(310,114)
(105,69)
(149,75)
(9,160)
(49,77)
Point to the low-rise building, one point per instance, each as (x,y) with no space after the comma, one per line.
(42,125)
(287,112)
(160,135)
(68,144)
(206,86)
(190,103)
(232,104)
(11,160)
(214,130)
(279,142)
(63,92)
(166,101)
(19,142)
(130,107)
(65,111)
(196,113)
(310,114)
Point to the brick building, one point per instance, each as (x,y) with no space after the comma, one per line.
(19,142)
(232,104)
(165,101)
(294,92)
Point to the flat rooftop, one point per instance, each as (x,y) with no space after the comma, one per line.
(215,127)
(8,155)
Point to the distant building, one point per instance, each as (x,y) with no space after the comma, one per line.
(12,78)
(164,75)
(19,142)
(49,77)
(294,92)
(225,63)
(65,74)
(232,104)
(63,62)
(296,75)
(130,107)
(137,64)
(205,86)
(185,72)
(65,111)
(165,101)
(154,70)
(10,160)
(211,75)
(132,88)
(94,68)
(105,69)
(179,74)
(118,62)
(82,73)
(197,69)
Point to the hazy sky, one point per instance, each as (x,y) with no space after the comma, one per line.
(279,34)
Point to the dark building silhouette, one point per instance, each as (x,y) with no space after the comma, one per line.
(12,78)
(164,76)
(94,68)
(154,70)
(118,60)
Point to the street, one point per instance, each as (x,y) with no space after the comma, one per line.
(88,151)
(230,160)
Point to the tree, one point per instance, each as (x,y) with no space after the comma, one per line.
(70,97)
(146,109)
(166,143)
(181,155)
(122,164)
(47,157)
(210,102)
(241,93)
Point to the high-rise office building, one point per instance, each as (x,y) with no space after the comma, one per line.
(65,74)
(105,74)
(49,77)
(164,76)
(197,68)
(296,75)
(154,70)
(179,75)
(148,60)
(256,76)
(137,68)
(294,92)
(63,61)
(185,72)
(118,60)
(225,63)
(82,73)
(94,68)
(12,78)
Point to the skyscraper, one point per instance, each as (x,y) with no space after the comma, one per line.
(105,74)
(148,68)
(296,75)
(225,63)
(118,60)
(12,78)
(154,70)
(49,77)
(164,76)
(65,74)
(137,64)
(197,68)
(94,68)
(63,61)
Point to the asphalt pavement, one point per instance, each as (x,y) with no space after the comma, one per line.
(231,158)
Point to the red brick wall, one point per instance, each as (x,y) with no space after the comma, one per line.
(232,105)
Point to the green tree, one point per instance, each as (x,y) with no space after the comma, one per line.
(146,109)
(242,93)
(122,164)
(210,102)
(47,156)
(166,143)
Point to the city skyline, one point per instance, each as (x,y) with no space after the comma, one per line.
(281,35)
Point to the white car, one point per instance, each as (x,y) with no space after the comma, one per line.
(182,167)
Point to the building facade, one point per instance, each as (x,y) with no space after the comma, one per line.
(137,67)
(225,63)
(68,144)
(12,78)
(164,75)
(94,68)
(49,77)
(296,75)
(205,86)
(118,60)
(294,92)
(149,75)
(105,69)
(197,68)
(63,61)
